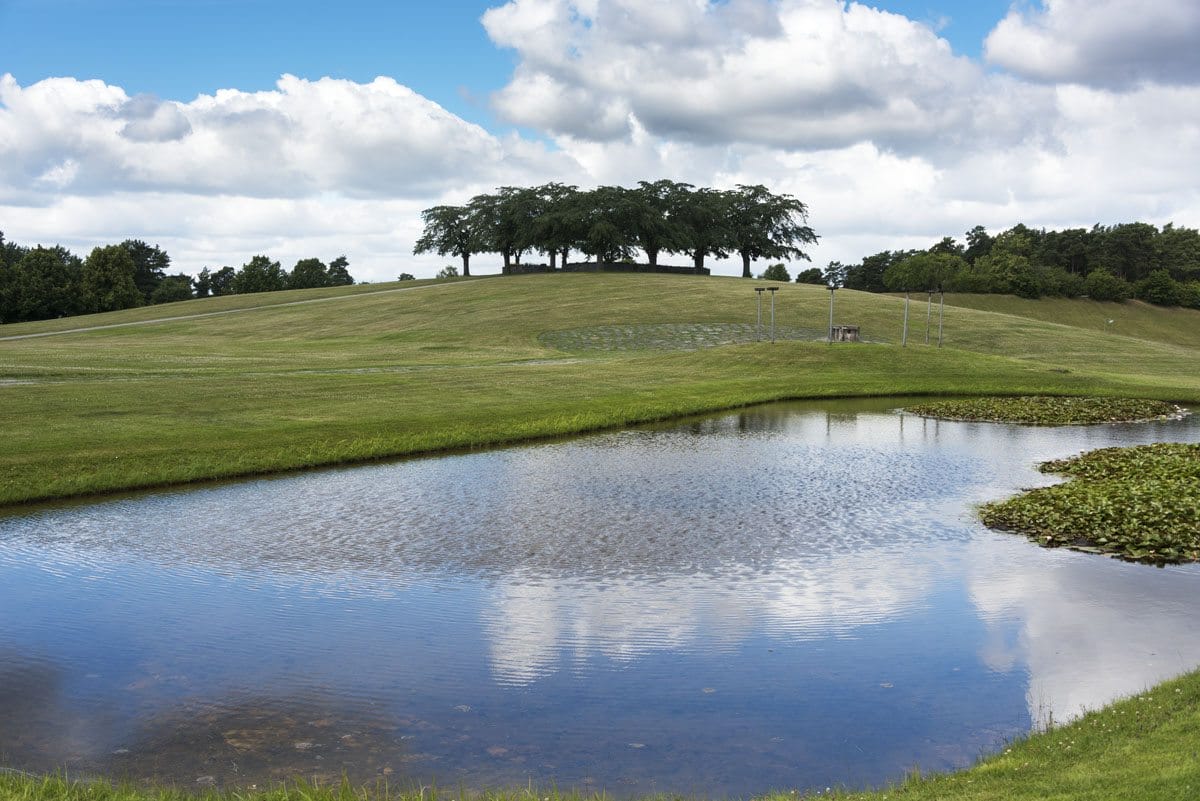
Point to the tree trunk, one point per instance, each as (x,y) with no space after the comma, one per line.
(652,255)
(507,268)
(553,257)
(466,257)
(746,265)
(698,260)
(565,252)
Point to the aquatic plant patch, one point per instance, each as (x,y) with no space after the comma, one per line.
(1044,410)
(1140,503)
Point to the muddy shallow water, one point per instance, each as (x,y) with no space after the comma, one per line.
(796,595)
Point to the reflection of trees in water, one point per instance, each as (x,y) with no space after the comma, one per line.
(760,420)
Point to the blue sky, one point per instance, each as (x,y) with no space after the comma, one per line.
(1078,113)
(177,49)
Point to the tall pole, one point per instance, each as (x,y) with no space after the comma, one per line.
(904,336)
(928,315)
(773,291)
(832,289)
(941,313)
(758,331)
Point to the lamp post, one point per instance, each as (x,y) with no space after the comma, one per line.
(758,290)
(832,288)
(904,336)
(772,290)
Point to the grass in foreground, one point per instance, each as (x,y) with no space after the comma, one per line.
(1048,411)
(363,374)
(1140,503)
(1144,748)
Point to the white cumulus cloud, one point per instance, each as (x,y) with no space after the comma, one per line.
(1113,43)
(811,74)
(304,138)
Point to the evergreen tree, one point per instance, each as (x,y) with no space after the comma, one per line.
(339,272)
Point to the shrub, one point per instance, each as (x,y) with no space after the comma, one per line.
(812,275)
(1100,284)
(1189,294)
(449,271)
(407,277)
(1159,288)
(1057,282)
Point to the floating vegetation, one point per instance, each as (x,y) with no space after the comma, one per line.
(1042,410)
(1140,503)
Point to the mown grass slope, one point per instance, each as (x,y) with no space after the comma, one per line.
(1130,319)
(384,370)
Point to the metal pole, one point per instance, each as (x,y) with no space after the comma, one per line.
(928,315)
(758,331)
(831,290)
(941,315)
(773,291)
(904,336)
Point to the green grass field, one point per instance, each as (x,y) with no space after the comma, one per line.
(315,377)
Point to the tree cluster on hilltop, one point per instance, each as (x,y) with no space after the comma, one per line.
(41,283)
(610,223)
(1118,262)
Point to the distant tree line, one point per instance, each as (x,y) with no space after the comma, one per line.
(40,283)
(609,224)
(1118,262)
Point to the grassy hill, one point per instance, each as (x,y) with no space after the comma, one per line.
(244,384)
(1131,319)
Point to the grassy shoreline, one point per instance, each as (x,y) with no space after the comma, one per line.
(1141,748)
(119,468)
(384,374)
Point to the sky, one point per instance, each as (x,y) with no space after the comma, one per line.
(220,129)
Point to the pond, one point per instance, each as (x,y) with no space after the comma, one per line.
(795,595)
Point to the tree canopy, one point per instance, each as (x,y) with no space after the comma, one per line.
(1117,262)
(612,223)
(40,283)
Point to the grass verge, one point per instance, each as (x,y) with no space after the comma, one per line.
(1144,748)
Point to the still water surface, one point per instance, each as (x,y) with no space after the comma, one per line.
(792,596)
